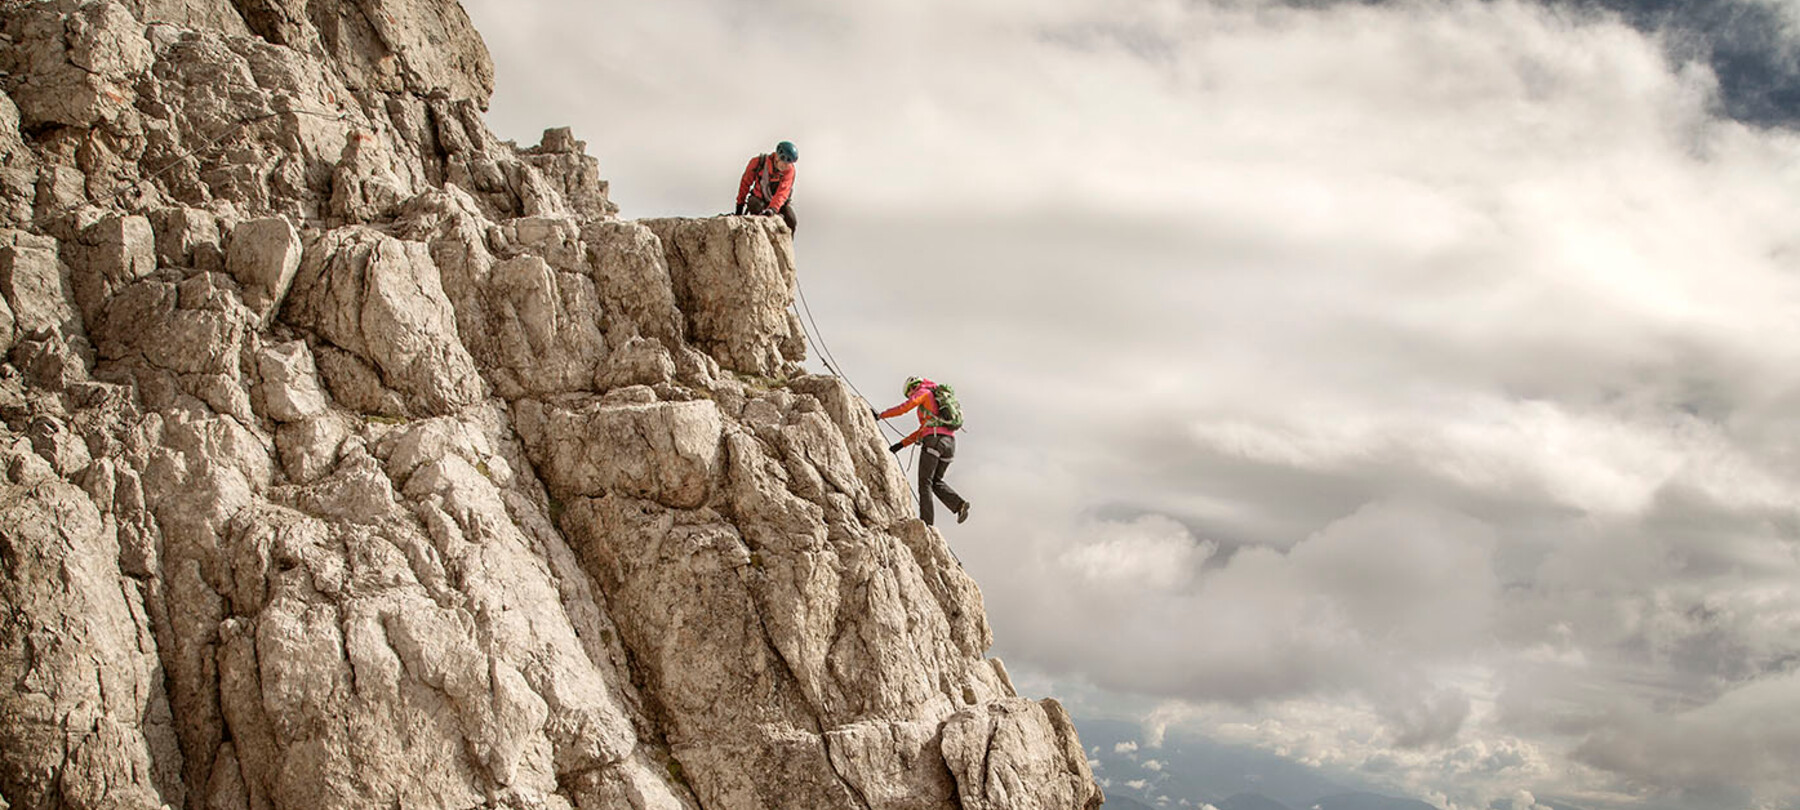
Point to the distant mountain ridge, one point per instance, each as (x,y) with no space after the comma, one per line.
(1203,771)
(1341,801)
(1250,801)
(1125,803)
(1370,801)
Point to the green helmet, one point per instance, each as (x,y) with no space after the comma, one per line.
(911,383)
(787,151)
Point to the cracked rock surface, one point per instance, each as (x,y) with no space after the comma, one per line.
(351,457)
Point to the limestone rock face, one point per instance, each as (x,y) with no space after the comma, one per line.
(1016,753)
(85,720)
(83,62)
(734,278)
(263,257)
(351,457)
(381,299)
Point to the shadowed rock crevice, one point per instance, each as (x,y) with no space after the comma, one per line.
(352,457)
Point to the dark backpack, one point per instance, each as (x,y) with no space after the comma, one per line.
(949,411)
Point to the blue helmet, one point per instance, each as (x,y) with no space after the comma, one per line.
(787,151)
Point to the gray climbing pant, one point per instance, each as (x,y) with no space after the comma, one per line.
(935,454)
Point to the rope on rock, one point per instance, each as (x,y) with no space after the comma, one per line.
(816,339)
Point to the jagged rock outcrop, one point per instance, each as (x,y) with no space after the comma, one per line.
(354,458)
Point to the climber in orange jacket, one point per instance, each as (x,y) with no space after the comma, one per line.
(939,419)
(767,186)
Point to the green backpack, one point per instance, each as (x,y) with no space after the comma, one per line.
(949,411)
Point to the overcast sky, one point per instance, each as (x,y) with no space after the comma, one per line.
(1412,389)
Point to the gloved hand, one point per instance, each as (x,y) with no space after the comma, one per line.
(740,209)
(875,413)
(895,447)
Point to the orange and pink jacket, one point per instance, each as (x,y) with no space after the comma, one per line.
(755,176)
(925,400)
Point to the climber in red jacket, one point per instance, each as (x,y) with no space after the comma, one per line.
(939,418)
(767,186)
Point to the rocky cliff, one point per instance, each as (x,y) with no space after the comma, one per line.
(354,458)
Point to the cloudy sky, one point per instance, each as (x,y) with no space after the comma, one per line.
(1411,389)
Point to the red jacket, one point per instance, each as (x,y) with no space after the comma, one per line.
(924,398)
(774,186)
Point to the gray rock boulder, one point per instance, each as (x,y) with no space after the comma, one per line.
(263,255)
(290,384)
(188,237)
(734,279)
(109,255)
(83,64)
(38,287)
(380,299)
(83,721)
(1019,754)
(668,452)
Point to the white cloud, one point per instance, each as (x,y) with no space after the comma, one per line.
(1152,765)
(1523,800)
(1158,554)
(1366,599)
(1746,736)
(1348,738)
(1125,747)
(1136,784)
